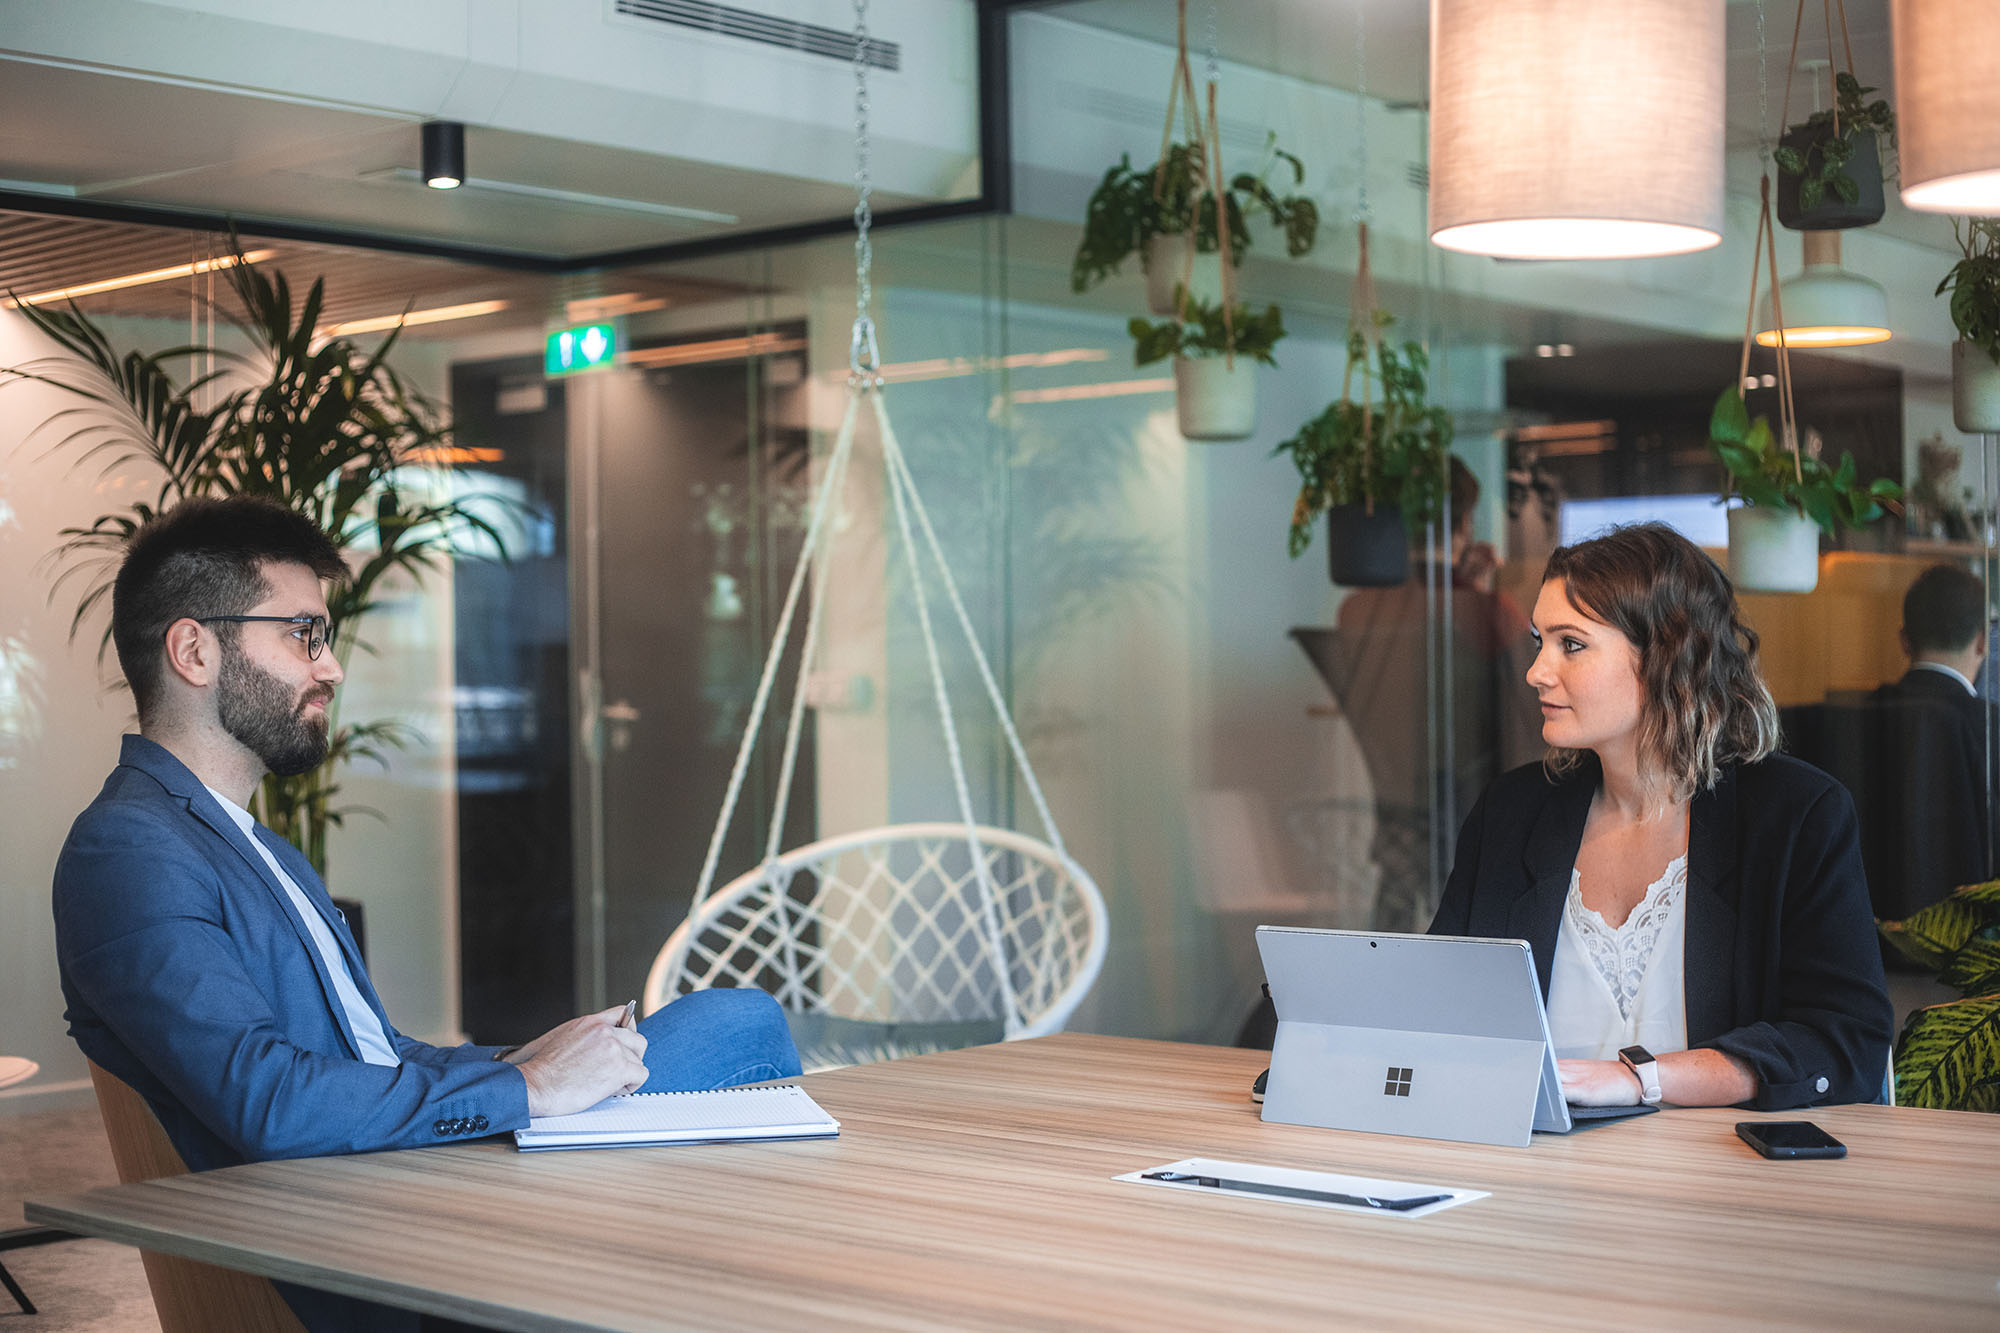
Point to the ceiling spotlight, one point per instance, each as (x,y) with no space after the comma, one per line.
(1564,349)
(444,154)
(1826,306)
(1545,349)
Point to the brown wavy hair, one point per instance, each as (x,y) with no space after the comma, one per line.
(1706,701)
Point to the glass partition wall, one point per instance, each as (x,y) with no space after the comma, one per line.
(1226,737)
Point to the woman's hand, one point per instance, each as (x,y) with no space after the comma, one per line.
(1598,1083)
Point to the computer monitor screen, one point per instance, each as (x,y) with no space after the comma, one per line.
(1697,517)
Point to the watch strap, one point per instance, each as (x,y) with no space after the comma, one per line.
(1646,1069)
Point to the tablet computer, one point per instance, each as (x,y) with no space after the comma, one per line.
(1435,1036)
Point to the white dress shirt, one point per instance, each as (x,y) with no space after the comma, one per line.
(1610,988)
(361,1020)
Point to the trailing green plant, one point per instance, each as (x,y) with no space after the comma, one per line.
(1125,211)
(1974,283)
(1204,333)
(1766,474)
(1393,447)
(321,426)
(1822,166)
(1948,1055)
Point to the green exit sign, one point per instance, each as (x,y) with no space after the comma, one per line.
(586,347)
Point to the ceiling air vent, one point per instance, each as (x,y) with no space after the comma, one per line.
(727,21)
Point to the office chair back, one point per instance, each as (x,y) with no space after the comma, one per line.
(190,1297)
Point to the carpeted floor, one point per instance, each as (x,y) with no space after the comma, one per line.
(79,1286)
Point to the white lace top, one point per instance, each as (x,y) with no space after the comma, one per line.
(1612,987)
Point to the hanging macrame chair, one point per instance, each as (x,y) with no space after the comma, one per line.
(911,929)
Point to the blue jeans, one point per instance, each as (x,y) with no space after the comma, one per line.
(717,1039)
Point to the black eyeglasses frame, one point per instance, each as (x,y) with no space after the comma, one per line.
(318,639)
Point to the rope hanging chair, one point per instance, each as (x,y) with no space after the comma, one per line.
(950,923)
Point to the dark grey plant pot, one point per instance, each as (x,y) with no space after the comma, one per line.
(1367,550)
(1833,213)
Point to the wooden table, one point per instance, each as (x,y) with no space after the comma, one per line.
(974,1189)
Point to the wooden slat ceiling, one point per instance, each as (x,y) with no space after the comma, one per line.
(41,253)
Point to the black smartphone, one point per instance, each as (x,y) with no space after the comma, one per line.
(1789,1138)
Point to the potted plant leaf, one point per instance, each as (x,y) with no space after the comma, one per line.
(1215,351)
(1830,164)
(1790,497)
(1974,284)
(1948,1055)
(1166,214)
(1375,466)
(324,427)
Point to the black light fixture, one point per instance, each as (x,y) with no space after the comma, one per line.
(444,154)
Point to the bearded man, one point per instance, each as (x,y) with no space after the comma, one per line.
(203,962)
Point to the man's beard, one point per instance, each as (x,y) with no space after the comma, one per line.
(257,709)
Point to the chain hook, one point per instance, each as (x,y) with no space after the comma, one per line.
(864,356)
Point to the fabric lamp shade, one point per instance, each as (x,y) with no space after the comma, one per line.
(1576,129)
(1948,103)
(1825,305)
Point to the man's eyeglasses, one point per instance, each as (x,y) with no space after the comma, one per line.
(318,632)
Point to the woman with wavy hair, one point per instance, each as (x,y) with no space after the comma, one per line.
(1695,901)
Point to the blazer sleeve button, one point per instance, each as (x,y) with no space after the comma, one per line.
(479,1123)
(441,1128)
(1820,1084)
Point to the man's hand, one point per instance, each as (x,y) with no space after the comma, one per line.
(581,1063)
(1599,1083)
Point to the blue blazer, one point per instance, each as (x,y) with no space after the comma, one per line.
(1782,969)
(188,974)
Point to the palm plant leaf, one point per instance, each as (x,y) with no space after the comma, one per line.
(1931,936)
(320,426)
(1949,1055)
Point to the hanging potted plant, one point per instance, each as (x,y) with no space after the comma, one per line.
(1790,497)
(1974,284)
(1215,351)
(1375,467)
(1166,215)
(1830,164)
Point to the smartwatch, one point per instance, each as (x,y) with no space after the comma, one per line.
(1646,1069)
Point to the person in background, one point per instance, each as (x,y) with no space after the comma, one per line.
(1385,640)
(201,959)
(1944,635)
(1695,902)
(1934,745)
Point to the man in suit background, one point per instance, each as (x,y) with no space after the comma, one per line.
(1928,821)
(1944,636)
(202,961)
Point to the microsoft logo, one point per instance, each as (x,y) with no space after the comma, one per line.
(1398,1082)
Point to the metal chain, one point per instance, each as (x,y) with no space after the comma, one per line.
(864,358)
(1361,213)
(1214,62)
(1763,93)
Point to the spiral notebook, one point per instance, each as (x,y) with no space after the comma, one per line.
(730,1115)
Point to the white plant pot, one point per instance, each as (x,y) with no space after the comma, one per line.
(1214,400)
(1165,259)
(1772,550)
(1975,389)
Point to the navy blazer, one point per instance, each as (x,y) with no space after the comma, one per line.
(1782,969)
(188,974)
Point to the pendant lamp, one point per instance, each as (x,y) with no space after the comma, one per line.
(1948,103)
(1826,306)
(1576,129)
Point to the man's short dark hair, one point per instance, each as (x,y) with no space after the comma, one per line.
(1944,610)
(204,557)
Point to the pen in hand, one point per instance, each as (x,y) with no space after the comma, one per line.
(630,1018)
